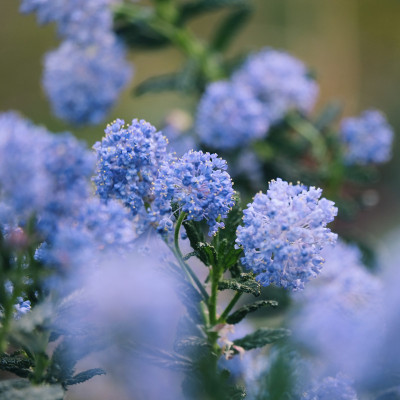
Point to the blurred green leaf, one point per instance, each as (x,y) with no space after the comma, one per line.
(230,27)
(17,364)
(328,115)
(241,313)
(262,337)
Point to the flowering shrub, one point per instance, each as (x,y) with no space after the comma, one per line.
(139,256)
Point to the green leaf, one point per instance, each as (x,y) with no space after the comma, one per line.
(238,315)
(196,8)
(21,389)
(230,27)
(207,254)
(84,376)
(157,84)
(194,231)
(245,284)
(262,337)
(17,364)
(328,115)
(224,241)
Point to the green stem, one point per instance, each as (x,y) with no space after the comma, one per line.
(228,309)
(212,303)
(183,264)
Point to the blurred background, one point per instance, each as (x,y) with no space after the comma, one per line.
(351,45)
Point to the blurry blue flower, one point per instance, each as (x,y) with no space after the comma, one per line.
(84,82)
(338,388)
(200,186)
(128,160)
(333,316)
(280,81)
(229,116)
(284,232)
(367,139)
(79,20)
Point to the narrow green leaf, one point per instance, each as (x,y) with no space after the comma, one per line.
(328,115)
(207,254)
(84,376)
(194,9)
(245,284)
(262,337)
(238,315)
(157,84)
(18,365)
(195,233)
(230,27)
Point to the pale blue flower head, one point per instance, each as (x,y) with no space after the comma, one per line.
(83,82)
(199,185)
(229,116)
(332,388)
(367,139)
(280,81)
(284,232)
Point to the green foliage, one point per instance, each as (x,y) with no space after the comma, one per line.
(262,337)
(84,376)
(230,27)
(245,283)
(21,389)
(18,364)
(241,313)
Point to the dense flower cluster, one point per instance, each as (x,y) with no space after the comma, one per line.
(229,116)
(284,232)
(199,185)
(280,81)
(85,75)
(128,160)
(367,139)
(338,388)
(52,186)
(83,82)
(260,94)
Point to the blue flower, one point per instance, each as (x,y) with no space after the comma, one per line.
(128,160)
(199,185)
(280,81)
(84,82)
(367,139)
(22,307)
(229,116)
(79,20)
(284,232)
(338,388)
(333,316)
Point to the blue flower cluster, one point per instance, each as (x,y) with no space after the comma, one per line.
(280,81)
(367,139)
(284,232)
(229,116)
(199,185)
(52,185)
(260,94)
(333,316)
(85,75)
(338,388)
(128,160)
(83,82)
